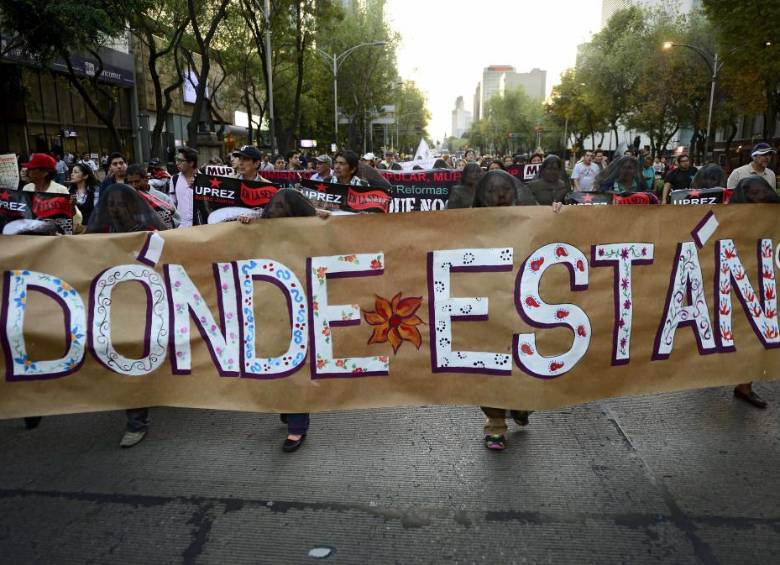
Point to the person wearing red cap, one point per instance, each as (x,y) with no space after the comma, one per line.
(40,171)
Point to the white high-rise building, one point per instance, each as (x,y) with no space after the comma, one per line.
(497,79)
(461,118)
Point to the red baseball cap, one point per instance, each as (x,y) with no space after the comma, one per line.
(41,161)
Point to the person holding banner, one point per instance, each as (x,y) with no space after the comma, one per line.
(462,195)
(289,203)
(549,185)
(752,190)
(120,210)
(622,176)
(40,170)
(346,166)
(499,188)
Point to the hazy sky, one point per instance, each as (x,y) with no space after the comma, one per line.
(446,44)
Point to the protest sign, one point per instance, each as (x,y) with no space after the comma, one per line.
(9,171)
(333,196)
(582,198)
(57,208)
(14,205)
(310,314)
(286,178)
(218,171)
(701,196)
(230,196)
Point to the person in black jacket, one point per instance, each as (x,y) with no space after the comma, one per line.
(83,185)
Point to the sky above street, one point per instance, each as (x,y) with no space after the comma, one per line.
(445,44)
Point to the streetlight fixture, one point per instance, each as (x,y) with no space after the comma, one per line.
(336,59)
(715,64)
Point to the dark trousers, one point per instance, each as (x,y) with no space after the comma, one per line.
(137,419)
(297,424)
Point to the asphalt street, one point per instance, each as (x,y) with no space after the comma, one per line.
(683,478)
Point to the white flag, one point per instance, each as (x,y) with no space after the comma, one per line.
(423,151)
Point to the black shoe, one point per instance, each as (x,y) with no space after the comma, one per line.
(32,422)
(751,398)
(520,416)
(289,445)
(283,418)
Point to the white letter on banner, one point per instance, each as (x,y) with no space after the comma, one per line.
(157,322)
(276,273)
(323,316)
(222,339)
(19,365)
(622,256)
(760,307)
(686,285)
(443,310)
(539,314)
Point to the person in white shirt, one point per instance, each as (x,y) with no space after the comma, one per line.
(324,172)
(187,163)
(585,173)
(761,154)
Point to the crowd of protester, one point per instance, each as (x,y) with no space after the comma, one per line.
(133,197)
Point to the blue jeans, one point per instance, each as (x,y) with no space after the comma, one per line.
(137,419)
(297,424)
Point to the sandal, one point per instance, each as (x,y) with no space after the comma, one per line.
(495,443)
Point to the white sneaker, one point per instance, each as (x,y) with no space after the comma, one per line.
(132,438)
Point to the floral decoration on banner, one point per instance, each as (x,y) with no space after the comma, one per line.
(395,321)
(625,254)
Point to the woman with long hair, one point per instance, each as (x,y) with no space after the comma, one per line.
(622,176)
(121,210)
(83,185)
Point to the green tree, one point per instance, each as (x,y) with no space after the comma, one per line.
(511,113)
(748,32)
(412,115)
(49,30)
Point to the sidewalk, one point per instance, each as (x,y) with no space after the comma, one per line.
(690,477)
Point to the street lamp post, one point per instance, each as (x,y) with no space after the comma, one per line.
(715,64)
(336,59)
(268,71)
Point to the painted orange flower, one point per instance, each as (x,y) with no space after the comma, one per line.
(395,321)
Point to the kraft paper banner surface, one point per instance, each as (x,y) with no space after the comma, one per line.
(506,307)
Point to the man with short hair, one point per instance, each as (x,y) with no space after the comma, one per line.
(249,158)
(117,169)
(598,159)
(187,164)
(324,172)
(757,167)
(294,162)
(138,178)
(584,173)
(680,178)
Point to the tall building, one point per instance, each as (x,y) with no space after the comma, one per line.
(461,118)
(497,79)
(476,114)
(609,7)
(533,83)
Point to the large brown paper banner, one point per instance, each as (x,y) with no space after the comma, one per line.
(506,307)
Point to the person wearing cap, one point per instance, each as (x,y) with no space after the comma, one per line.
(159,178)
(324,172)
(369,159)
(41,170)
(249,158)
(761,154)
